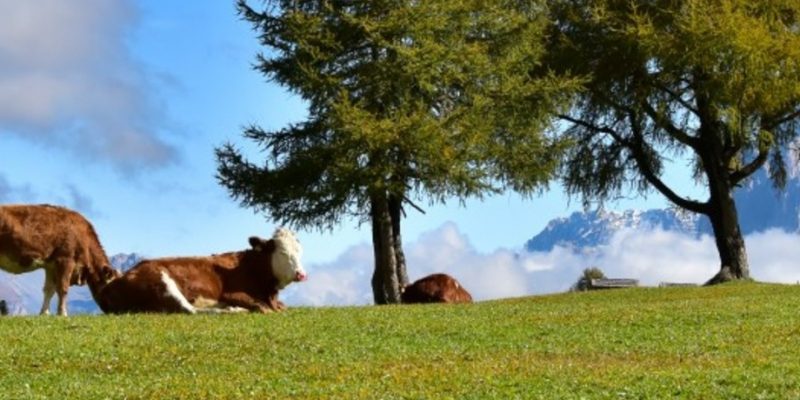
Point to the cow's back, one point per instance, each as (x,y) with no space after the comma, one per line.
(30,233)
(435,288)
(143,289)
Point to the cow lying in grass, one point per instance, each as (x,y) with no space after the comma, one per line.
(248,280)
(436,288)
(58,240)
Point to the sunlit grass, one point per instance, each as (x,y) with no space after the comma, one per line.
(732,341)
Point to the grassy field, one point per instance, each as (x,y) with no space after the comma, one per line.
(732,341)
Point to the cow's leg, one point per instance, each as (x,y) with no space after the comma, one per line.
(275,304)
(48,290)
(63,276)
(244,300)
(209,306)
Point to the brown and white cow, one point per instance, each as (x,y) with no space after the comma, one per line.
(248,279)
(435,288)
(58,240)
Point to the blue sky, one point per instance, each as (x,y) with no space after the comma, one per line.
(114,108)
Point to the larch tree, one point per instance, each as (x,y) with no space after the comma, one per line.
(713,81)
(404,102)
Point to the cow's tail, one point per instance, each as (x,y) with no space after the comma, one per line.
(174,292)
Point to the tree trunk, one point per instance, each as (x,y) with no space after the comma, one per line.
(385,284)
(396,212)
(727,234)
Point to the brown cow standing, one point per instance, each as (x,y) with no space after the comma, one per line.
(248,280)
(435,288)
(60,241)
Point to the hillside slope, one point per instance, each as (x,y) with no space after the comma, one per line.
(730,341)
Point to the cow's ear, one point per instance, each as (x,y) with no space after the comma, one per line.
(260,244)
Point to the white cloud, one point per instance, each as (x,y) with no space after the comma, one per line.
(75,198)
(651,256)
(345,281)
(774,254)
(13,193)
(498,274)
(655,256)
(68,80)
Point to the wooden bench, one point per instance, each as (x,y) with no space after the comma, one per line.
(676,284)
(598,284)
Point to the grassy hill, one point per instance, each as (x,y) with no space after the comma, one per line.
(732,341)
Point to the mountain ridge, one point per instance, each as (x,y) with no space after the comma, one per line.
(759,205)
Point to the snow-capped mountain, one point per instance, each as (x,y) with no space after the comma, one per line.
(759,205)
(592,228)
(124,261)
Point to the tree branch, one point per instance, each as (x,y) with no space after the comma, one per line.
(665,124)
(749,169)
(601,129)
(676,97)
(637,151)
(792,115)
(636,147)
(411,203)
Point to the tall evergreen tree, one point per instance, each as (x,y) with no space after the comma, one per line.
(404,103)
(718,80)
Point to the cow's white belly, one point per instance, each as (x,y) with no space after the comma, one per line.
(11,265)
(210,306)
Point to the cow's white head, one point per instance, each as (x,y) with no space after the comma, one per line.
(286,257)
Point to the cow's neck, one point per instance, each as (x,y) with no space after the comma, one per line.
(96,285)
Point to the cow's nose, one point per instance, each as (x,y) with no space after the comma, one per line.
(299,276)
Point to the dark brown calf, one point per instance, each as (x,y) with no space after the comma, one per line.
(436,288)
(58,240)
(248,279)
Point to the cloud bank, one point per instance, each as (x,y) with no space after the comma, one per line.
(69,81)
(13,193)
(651,256)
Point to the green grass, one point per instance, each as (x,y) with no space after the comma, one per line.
(731,341)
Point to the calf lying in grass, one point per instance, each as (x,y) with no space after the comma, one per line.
(248,280)
(436,288)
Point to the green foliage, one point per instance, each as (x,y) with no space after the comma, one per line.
(586,279)
(728,341)
(717,80)
(412,99)
(720,79)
